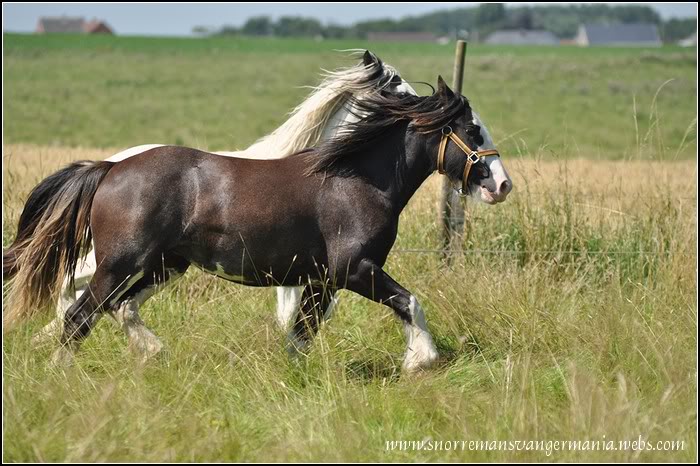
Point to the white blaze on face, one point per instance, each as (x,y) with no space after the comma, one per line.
(499,184)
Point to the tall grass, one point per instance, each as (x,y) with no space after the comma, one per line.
(569,316)
(570,312)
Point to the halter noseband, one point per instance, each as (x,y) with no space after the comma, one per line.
(473,156)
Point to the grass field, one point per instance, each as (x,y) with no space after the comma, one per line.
(571,316)
(544,101)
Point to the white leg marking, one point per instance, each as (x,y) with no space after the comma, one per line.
(420,349)
(64,356)
(288,301)
(141,339)
(84,271)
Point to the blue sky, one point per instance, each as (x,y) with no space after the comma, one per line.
(177,19)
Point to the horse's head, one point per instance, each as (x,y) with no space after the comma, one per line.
(370,76)
(466,149)
(387,77)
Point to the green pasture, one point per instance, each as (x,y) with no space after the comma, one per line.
(223,93)
(570,316)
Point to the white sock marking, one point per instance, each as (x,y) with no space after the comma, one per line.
(288,301)
(420,349)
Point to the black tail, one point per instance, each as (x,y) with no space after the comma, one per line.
(53,232)
(37,204)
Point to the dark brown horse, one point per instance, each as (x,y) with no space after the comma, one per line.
(325,218)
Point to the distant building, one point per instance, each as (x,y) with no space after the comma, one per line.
(63,24)
(72,25)
(642,35)
(522,37)
(97,26)
(402,36)
(690,41)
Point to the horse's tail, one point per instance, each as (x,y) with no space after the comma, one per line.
(53,233)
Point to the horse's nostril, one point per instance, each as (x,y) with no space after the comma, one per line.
(505,187)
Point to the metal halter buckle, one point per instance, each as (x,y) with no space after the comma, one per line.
(447,130)
(473,157)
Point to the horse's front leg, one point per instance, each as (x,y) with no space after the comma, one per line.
(370,281)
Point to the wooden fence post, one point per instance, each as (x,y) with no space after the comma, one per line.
(451,210)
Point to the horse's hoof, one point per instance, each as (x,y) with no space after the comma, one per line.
(146,348)
(49,334)
(63,357)
(41,339)
(416,362)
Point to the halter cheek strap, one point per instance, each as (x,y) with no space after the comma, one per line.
(473,156)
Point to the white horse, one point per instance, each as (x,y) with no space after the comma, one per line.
(316,119)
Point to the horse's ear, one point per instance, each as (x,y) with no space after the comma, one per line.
(443,90)
(370,59)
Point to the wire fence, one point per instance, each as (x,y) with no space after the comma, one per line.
(524,251)
(632,195)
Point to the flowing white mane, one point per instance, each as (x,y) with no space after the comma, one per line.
(307,121)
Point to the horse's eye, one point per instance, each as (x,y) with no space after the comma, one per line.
(474,131)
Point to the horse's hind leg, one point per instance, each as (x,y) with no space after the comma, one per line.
(104,293)
(69,294)
(288,299)
(113,283)
(288,304)
(142,341)
(315,301)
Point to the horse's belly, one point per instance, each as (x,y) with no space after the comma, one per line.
(259,256)
(292,270)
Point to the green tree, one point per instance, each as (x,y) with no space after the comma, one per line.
(676,29)
(490,14)
(257,26)
(294,26)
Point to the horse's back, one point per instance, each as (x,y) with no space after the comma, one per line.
(256,151)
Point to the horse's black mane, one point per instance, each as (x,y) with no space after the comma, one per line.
(377,113)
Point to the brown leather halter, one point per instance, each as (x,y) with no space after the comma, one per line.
(473,156)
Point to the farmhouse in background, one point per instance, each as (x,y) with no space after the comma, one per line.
(642,35)
(72,25)
(97,26)
(402,36)
(690,41)
(521,37)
